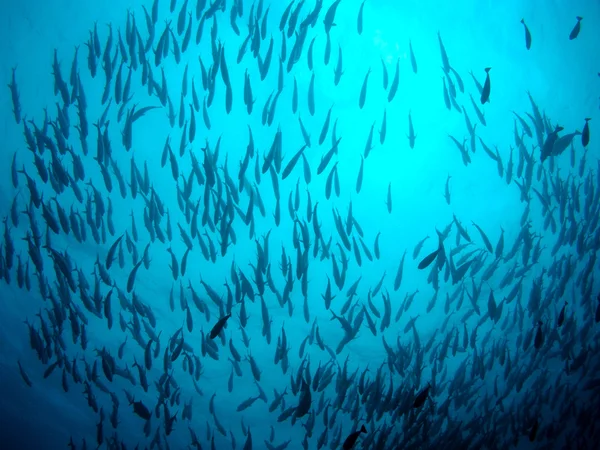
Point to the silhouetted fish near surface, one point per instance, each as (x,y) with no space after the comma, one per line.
(219,326)
(411,132)
(527,35)
(24,375)
(359,20)
(413,60)
(576,29)
(585,134)
(426,262)
(14,93)
(485,92)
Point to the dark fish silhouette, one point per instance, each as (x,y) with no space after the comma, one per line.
(485,92)
(576,29)
(527,35)
(350,441)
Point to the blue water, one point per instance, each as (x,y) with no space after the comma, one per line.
(512,374)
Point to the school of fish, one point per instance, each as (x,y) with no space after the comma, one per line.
(82,186)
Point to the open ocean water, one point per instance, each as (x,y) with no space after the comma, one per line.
(264,224)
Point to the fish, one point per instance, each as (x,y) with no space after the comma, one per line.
(539,336)
(384,74)
(548,144)
(485,92)
(359,20)
(363,91)
(426,262)
(576,29)
(561,316)
(141,410)
(110,256)
(350,441)
(418,247)
(445,60)
(24,375)
(533,431)
(132,275)
(395,82)
(421,397)
(527,35)
(447,195)
(413,60)
(15,98)
(411,132)
(484,237)
(216,329)
(585,134)
(388,202)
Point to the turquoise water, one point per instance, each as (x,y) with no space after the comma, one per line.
(394,249)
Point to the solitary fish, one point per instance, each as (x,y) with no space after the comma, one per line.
(363,90)
(527,35)
(388,202)
(359,22)
(485,92)
(413,60)
(447,190)
(24,375)
(411,132)
(585,134)
(576,29)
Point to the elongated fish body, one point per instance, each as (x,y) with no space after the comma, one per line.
(447,190)
(214,332)
(388,201)
(413,60)
(527,35)
(549,143)
(576,29)
(585,134)
(363,90)
(485,92)
(445,61)
(411,132)
(14,92)
(350,441)
(330,16)
(359,20)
